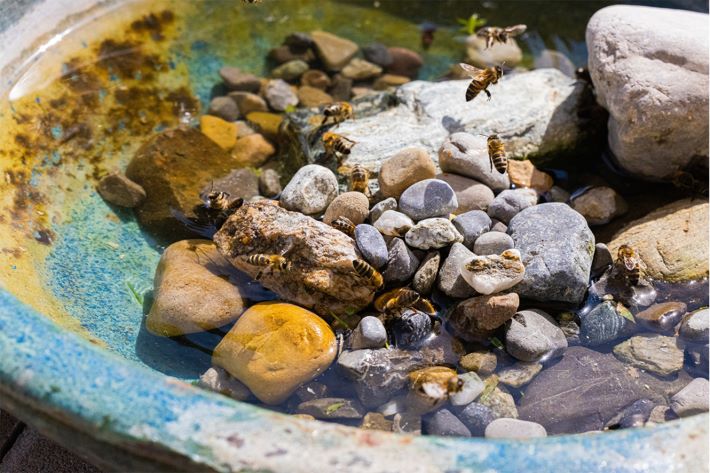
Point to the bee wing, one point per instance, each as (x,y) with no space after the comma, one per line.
(516,30)
(469,69)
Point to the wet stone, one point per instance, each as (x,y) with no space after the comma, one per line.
(444,423)
(692,399)
(224,108)
(311,391)
(695,327)
(219,380)
(493,273)
(514,429)
(510,202)
(482,362)
(651,352)
(379,208)
(603,324)
(631,416)
(393,223)
(376,421)
(602,259)
(534,335)
(450,280)
(476,417)
(471,225)
(372,245)
(407,423)
(269,183)
(410,327)
(696,359)
(471,389)
(425,277)
(402,263)
(519,374)
(662,317)
(476,318)
(500,402)
(117,189)
(332,408)
(492,243)
(433,233)
(427,199)
(369,333)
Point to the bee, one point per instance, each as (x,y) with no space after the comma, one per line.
(454,385)
(401,298)
(630,263)
(482,78)
(275,262)
(344,225)
(496,154)
(494,34)
(359,178)
(432,386)
(334,143)
(364,270)
(338,111)
(252,1)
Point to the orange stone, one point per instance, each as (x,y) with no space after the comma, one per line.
(525,174)
(220,131)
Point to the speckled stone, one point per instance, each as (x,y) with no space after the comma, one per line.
(602,324)
(402,263)
(432,233)
(372,245)
(471,225)
(393,223)
(534,335)
(450,281)
(514,429)
(651,352)
(390,203)
(425,277)
(279,95)
(310,190)
(476,418)
(510,202)
(492,243)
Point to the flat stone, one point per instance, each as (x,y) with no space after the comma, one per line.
(117,189)
(470,194)
(369,333)
(603,324)
(248,102)
(219,380)
(235,79)
(651,352)
(450,281)
(360,69)
(332,408)
(224,108)
(492,243)
(402,263)
(695,327)
(425,277)
(476,418)
(662,317)
(444,423)
(514,429)
(482,362)
(471,225)
(334,51)
(313,97)
(519,374)
(599,205)
(493,273)
(476,318)
(390,203)
(467,154)
(393,223)
(433,233)
(692,399)
(372,245)
(310,190)
(510,202)
(533,335)
(352,205)
(403,169)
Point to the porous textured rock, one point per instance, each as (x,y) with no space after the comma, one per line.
(321,257)
(556,247)
(310,190)
(352,205)
(493,273)
(433,233)
(467,154)
(650,71)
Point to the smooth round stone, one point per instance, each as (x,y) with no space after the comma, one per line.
(492,243)
(224,108)
(433,233)
(252,150)
(651,352)
(279,95)
(471,389)
(451,281)
(476,417)
(425,277)
(360,69)
(599,205)
(471,225)
(444,423)
(352,205)
(510,202)
(498,226)
(695,327)
(525,174)
(372,245)
(117,189)
(369,333)
(402,263)
(393,223)
(514,429)
(403,169)
(692,399)
(377,53)
(534,335)
(411,327)
(290,70)
(662,317)
(390,203)
(427,199)
(470,194)
(310,190)
(315,78)
(405,62)
(271,334)
(602,324)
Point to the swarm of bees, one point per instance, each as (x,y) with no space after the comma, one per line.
(495,34)
(481,79)
(630,264)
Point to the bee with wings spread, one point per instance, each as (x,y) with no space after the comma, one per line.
(481,79)
(495,34)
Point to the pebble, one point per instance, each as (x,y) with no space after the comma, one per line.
(372,245)
(310,190)
(279,95)
(634,415)
(556,194)
(402,263)
(266,123)
(534,335)
(334,51)
(651,352)
(393,223)
(432,233)
(599,205)
(470,194)
(248,102)
(403,169)
(224,108)
(376,421)
(451,281)
(695,327)
(476,418)
(493,273)
(519,374)
(405,62)
(407,423)
(514,429)
(390,203)
(117,189)
(692,399)
(444,423)
(471,389)
(377,53)
(425,277)
(360,69)
(501,402)
(482,362)
(386,81)
(393,406)
(290,70)
(467,155)
(427,199)
(218,380)
(269,183)
(523,173)
(662,317)
(602,259)
(332,408)
(569,325)
(369,333)
(315,78)
(492,243)
(313,97)
(510,202)
(235,79)
(273,334)
(340,87)
(476,318)
(410,327)
(221,132)
(471,225)
(498,226)
(603,324)
(243,129)
(283,54)
(252,150)
(352,205)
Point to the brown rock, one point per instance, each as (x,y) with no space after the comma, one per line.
(334,51)
(405,62)
(284,54)
(240,183)
(470,194)
(662,317)
(315,78)
(266,123)
(117,189)
(520,374)
(195,289)
(252,150)
(360,69)
(235,79)
(224,108)
(651,352)
(474,319)
(321,275)
(376,421)
(482,362)
(400,171)
(243,129)
(221,132)
(389,80)
(525,174)
(269,183)
(599,205)
(313,97)
(341,87)
(352,205)
(248,102)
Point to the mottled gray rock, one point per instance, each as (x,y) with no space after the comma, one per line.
(510,202)
(219,380)
(411,327)
(269,183)
(651,352)
(602,259)
(393,223)
(493,273)
(559,397)
(117,189)
(476,418)
(692,399)
(451,282)
(634,415)
(471,389)
(427,199)
(556,246)
(556,194)
(279,95)
(224,108)
(369,333)
(372,245)
(695,327)
(310,190)
(402,263)
(467,154)
(603,324)
(377,53)
(471,225)
(332,408)
(500,402)
(650,70)
(425,277)
(514,429)
(534,335)
(599,205)
(390,203)
(433,233)
(444,423)
(492,243)
(470,194)
(498,226)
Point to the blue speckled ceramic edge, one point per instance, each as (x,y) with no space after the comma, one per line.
(125,404)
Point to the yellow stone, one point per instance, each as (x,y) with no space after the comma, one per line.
(220,131)
(252,150)
(267,123)
(274,348)
(525,174)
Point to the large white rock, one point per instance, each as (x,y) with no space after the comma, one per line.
(650,70)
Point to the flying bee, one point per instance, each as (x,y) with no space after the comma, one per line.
(493,34)
(630,263)
(275,262)
(482,78)
(496,154)
(364,270)
(335,144)
(344,225)
(359,178)
(338,111)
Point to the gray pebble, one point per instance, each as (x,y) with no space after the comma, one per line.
(476,418)
(471,225)
(444,423)
(534,335)
(310,190)
(372,245)
(393,223)
(514,429)
(269,183)
(692,399)
(695,327)
(425,277)
(224,108)
(556,194)
(492,243)
(410,327)
(432,233)
(369,333)
(279,95)
(427,199)
(390,203)
(498,226)
(510,202)
(466,154)
(402,263)
(451,282)
(377,53)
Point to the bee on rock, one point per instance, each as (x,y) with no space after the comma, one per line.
(366,271)
(402,298)
(337,145)
(274,262)
(359,178)
(345,225)
(338,112)
(481,79)
(630,264)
